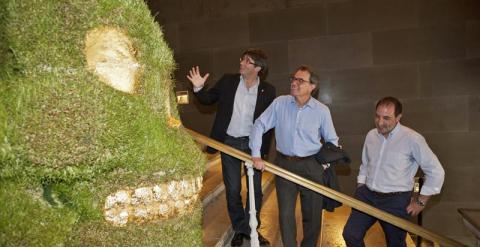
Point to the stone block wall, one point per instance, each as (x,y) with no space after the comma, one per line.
(425,52)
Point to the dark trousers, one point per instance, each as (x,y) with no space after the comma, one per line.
(358,223)
(231,169)
(311,202)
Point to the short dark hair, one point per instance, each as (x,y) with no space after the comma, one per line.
(391,101)
(259,59)
(314,79)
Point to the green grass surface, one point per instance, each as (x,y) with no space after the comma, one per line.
(63,129)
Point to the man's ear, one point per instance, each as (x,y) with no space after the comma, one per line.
(398,117)
(258,69)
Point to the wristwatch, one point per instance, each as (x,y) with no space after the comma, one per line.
(420,203)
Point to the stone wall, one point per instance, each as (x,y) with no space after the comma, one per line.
(425,52)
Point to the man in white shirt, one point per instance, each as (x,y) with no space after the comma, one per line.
(391,156)
(240,98)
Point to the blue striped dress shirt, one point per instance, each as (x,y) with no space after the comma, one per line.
(298,130)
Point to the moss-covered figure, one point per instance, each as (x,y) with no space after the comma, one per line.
(90,149)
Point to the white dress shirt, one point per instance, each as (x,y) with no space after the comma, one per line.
(241,122)
(390,164)
(244,104)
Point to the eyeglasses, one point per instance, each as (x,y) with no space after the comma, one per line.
(247,61)
(300,80)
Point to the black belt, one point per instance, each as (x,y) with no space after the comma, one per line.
(239,138)
(388,194)
(294,158)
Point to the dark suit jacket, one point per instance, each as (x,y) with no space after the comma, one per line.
(223,92)
(329,153)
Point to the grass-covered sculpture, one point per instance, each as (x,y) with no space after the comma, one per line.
(90,149)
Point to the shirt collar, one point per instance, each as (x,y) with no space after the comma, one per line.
(396,129)
(393,132)
(310,103)
(254,87)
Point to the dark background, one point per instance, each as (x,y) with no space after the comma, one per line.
(425,52)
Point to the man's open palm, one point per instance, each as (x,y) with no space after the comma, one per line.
(195,77)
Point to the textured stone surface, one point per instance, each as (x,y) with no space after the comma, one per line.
(461,185)
(227,60)
(185,61)
(434,12)
(168,11)
(193,112)
(450,78)
(474,113)
(456,150)
(281,82)
(426,52)
(473,39)
(353,118)
(372,83)
(422,44)
(436,114)
(353,144)
(170,32)
(361,16)
(439,217)
(292,23)
(163,201)
(333,52)
(214,33)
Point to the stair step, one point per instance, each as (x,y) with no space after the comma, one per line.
(332,227)
(216,223)
(217,230)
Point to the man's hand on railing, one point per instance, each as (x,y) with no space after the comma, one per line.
(258,163)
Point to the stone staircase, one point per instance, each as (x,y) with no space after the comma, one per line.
(216,224)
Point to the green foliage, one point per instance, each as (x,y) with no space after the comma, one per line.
(68,124)
(27,221)
(64,131)
(179,232)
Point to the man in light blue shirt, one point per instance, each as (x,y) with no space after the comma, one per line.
(391,156)
(300,122)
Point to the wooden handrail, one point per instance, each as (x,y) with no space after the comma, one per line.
(347,200)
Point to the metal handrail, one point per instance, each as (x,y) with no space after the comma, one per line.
(347,200)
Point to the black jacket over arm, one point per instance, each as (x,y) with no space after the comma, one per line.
(224,92)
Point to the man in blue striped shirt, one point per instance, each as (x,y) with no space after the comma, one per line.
(300,122)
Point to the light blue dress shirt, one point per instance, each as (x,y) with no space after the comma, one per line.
(390,164)
(298,130)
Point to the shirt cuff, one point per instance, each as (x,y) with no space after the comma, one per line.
(361,179)
(429,191)
(196,89)
(256,154)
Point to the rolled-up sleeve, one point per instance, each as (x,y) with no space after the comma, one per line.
(362,174)
(265,122)
(431,167)
(328,130)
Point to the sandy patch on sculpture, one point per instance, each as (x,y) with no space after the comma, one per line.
(111,56)
(162,201)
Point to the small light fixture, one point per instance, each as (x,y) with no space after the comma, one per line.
(182,97)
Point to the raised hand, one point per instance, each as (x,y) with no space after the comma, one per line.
(195,77)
